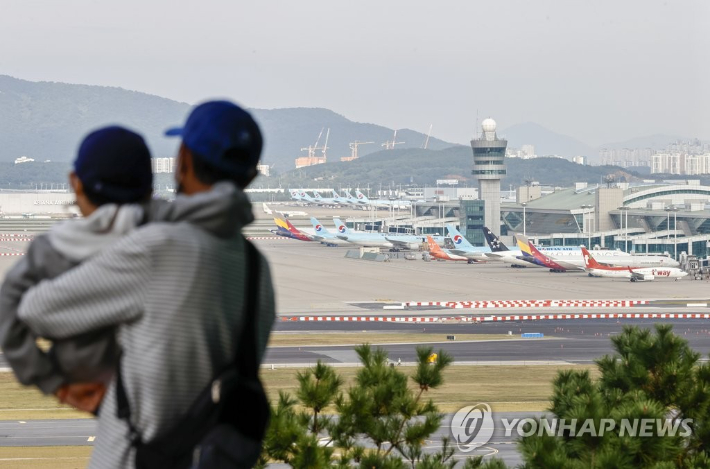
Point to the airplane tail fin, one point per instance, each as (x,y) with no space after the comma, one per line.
(523,245)
(493,241)
(458,239)
(340,226)
(361,196)
(292,228)
(318,227)
(281,224)
(589,261)
(267,210)
(433,247)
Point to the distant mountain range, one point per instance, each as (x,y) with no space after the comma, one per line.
(425,167)
(46,121)
(546,141)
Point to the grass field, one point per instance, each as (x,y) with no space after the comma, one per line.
(55,457)
(23,403)
(505,388)
(350,338)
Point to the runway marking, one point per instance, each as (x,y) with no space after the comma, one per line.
(22,421)
(91,438)
(45,459)
(540,317)
(531,304)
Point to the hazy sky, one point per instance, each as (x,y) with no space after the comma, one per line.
(600,71)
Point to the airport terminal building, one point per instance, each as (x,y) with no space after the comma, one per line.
(41,203)
(672,217)
(651,218)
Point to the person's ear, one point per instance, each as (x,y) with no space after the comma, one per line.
(184,163)
(76,184)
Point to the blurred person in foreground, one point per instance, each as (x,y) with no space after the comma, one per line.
(174,290)
(112,179)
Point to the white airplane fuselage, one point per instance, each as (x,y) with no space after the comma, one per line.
(654,272)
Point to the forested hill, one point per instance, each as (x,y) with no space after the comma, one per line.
(421,167)
(46,121)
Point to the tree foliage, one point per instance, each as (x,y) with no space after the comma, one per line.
(381,421)
(651,375)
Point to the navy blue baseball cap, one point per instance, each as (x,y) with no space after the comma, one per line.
(214,128)
(114,163)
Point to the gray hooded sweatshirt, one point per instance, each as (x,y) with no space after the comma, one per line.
(88,357)
(175,291)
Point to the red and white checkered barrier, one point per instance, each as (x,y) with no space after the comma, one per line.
(541,317)
(271,238)
(25,240)
(12,253)
(531,304)
(362,319)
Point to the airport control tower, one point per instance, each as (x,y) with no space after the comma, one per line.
(489,169)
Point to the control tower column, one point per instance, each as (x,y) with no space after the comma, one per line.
(489,169)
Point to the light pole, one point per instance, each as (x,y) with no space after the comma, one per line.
(668,222)
(625,214)
(584,223)
(524,224)
(675,233)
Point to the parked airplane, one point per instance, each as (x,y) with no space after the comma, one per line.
(500,252)
(354,200)
(361,239)
(463,248)
(296,195)
(380,203)
(285,213)
(444,254)
(561,261)
(320,200)
(538,257)
(595,269)
(322,234)
(338,199)
(287,230)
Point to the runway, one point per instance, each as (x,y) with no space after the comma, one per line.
(65,432)
(81,432)
(567,341)
(311,279)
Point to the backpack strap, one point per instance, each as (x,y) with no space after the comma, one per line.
(246,352)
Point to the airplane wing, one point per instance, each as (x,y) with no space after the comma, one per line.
(398,243)
(479,256)
(568,265)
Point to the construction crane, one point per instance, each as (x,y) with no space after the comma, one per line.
(428,134)
(389,145)
(325,145)
(313,148)
(353,148)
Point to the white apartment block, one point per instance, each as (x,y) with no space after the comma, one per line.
(163,165)
(680,163)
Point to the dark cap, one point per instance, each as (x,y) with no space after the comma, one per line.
(114,164)
(216,127)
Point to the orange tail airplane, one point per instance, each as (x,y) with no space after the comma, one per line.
(438,253)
